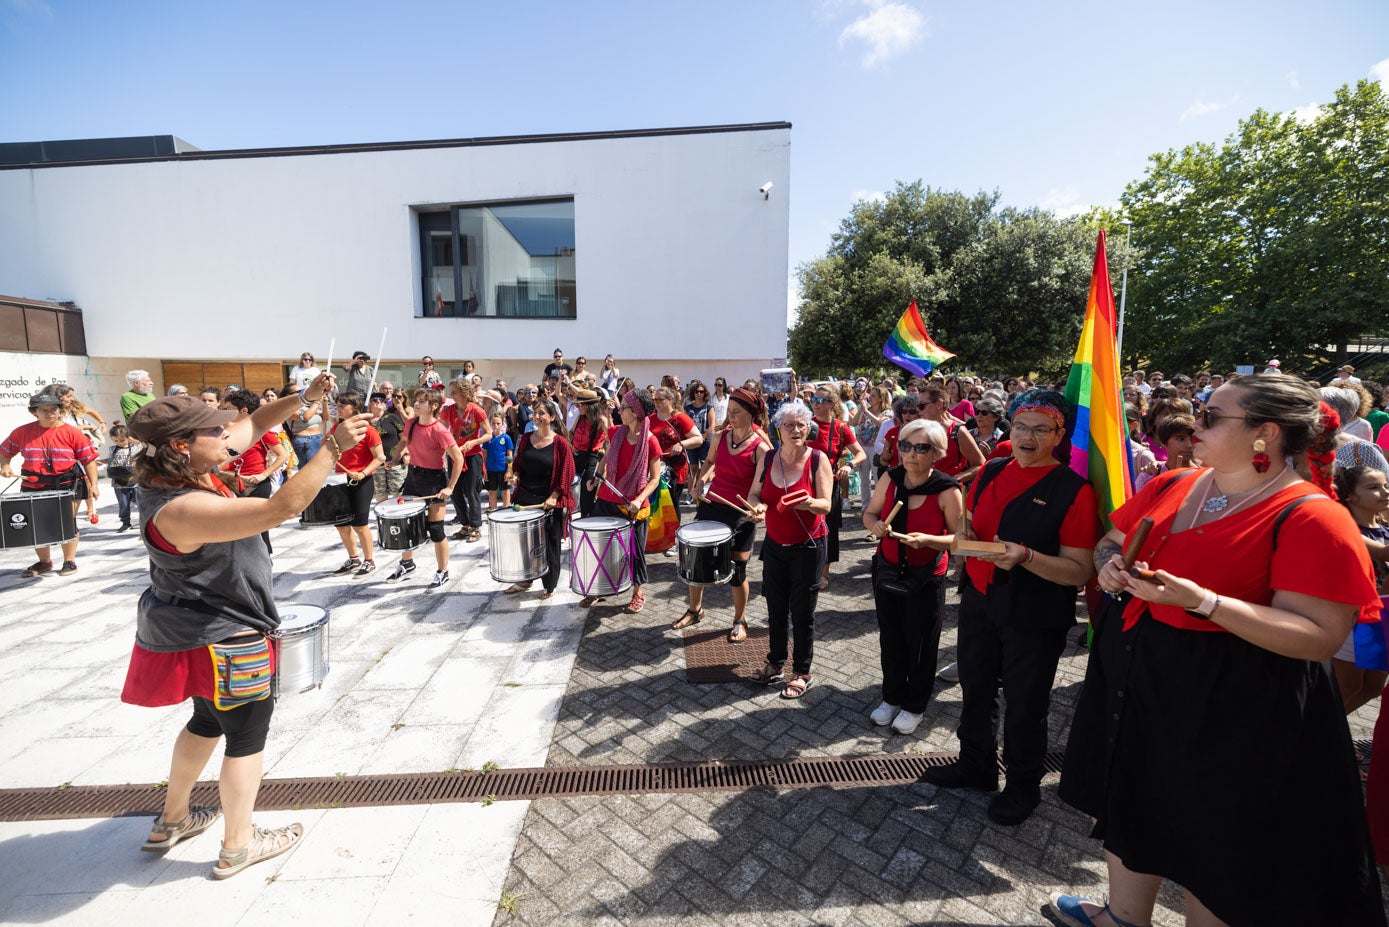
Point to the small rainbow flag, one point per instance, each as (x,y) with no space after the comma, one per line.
(911,348)
(1099,444)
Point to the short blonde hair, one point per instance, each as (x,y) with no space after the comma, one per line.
(933,431)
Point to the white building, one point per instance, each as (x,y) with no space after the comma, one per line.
(665,248)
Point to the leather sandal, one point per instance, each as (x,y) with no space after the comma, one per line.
(739,632)
(797,685)
(516,589)
(43,566)
(266,843)
(638,600)
(198,820)
(770,674)
(589,601)
(691,616)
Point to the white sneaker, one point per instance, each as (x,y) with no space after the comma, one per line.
(883,714)
(950,673)
(906,722)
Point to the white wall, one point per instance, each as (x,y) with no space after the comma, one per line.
(678,255)
(99,383)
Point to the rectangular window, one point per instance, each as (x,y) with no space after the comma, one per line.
(501,260)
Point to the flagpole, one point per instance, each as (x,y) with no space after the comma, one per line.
(1123,297)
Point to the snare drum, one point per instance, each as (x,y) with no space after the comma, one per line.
(400,523)
(331,506)
(516,552)
(37,519)
(302,643)
(706,552)
(602,555)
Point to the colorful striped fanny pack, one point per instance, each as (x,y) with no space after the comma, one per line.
(244,671)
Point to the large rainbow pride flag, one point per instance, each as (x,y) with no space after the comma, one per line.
(911,348)
(1099,444)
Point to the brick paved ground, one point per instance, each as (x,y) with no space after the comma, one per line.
(857,856)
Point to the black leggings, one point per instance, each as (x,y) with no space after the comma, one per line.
(245,726)
(467,506)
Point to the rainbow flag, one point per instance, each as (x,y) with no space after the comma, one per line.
(911,348)
(1099,444)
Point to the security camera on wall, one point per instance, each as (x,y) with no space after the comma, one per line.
(765,190)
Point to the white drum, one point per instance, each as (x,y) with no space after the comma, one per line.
(302,639)
(516,552)
(602,551)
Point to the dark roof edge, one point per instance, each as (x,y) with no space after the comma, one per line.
(412,146)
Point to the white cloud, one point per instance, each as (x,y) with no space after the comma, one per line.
(888,28)
(1380,72)
(1063,202)
(1293,82)
(872,196)
(1203,108)
(1308,113)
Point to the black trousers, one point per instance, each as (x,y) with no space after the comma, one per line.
(908,643)
(467,504)
(604,507)
(834,520)
(554,536)
(1023,661)
(791,585)
(586,465)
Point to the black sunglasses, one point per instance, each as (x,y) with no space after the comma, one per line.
(916,448)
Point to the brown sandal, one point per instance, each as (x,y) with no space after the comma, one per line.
(739,632)
(638,600)
(797,686)
(690,617)
(43,566)
(770,674)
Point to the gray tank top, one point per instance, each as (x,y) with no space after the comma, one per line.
(204,597)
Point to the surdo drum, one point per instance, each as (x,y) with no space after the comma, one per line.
(331,505)
(706,552)
(517,545)
(400,523)
(602,550)
(37,519)
(302,642)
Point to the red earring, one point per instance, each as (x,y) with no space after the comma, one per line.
(1261,461)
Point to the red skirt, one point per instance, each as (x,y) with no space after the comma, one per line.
(154,680)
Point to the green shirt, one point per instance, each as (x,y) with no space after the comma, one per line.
(1377,418)
(132,402)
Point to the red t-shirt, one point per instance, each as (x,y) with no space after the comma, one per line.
(1320,552)
(252,460)
(888,458)
(927,518)
(359,456)
(624,460)
(831,439)
(49,451)
(428,444)
(670,434)
(791,525)
(1080,528)
(465,426)
(953,462)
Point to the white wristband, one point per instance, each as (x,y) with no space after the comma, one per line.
(1208,605)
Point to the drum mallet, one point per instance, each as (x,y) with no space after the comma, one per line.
(720,499)
(888,521)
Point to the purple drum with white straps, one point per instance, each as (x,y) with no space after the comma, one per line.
(602,548)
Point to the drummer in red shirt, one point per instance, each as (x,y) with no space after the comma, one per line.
(470,427)
(676,433)
(249,472)
(726,476)
(57,457)
(1017,607)
(631,473)
(358,463)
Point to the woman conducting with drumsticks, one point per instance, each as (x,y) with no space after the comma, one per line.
(201,627)
(436,463)
(924,507)
(725,480)
(542,475)
(792,488)
(631,473)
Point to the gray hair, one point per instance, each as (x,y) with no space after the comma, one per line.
(1345,402)
(989,404)
(935,433)
(135,376)
(794,409)
(178,389)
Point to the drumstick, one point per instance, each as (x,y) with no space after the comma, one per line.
(745,502)
(379,348)
(888,520)
(522,508)
(718,498)
(1136,540)
(332,343)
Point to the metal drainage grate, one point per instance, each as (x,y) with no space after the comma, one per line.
(499,785)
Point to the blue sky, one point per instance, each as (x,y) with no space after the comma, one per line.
(1053,104)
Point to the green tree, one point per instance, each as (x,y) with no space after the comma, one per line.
(1272,244)
(1003,289)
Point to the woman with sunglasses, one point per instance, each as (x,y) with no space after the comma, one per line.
(701,412)
(875,406)
(908,570)
(904,410)
(304,373)
(521,413)
(1016,607)
(677,435)
(963,458)
(719,400)
(836,440)
(631,473)
(429,377)
(1209,743)
(988,417)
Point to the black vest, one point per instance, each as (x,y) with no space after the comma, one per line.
(1018,596)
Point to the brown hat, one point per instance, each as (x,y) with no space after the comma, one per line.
(173,416)
(585,395)
(1347,368)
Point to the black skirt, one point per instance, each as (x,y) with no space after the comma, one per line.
(1226,768)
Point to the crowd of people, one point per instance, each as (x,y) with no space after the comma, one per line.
(1250,560)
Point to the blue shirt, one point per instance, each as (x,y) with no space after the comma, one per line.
(497,449)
